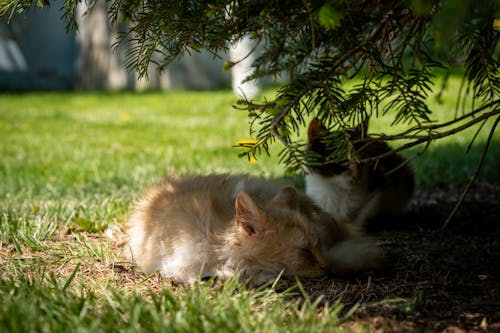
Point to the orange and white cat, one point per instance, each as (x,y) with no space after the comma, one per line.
(222,225)
(357,192)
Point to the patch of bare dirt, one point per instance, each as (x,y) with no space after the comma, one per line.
(434,280)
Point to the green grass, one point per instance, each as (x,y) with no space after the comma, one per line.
(51,305)
(71,165)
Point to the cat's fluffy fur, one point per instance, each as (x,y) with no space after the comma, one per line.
(358,192)
(219,225)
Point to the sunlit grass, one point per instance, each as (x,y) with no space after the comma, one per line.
(71,166)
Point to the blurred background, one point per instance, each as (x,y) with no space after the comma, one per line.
(38,53)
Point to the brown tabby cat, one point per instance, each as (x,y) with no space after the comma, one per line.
(357,192)
(219,225)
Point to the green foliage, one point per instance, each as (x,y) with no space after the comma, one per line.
(394,46)
(328,18)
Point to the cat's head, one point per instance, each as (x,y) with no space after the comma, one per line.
(323,161)
(321,145)
(291,234)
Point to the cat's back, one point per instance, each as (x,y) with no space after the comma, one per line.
(204,200)
(179,222)
(198,196)
(172,227)
(217,189)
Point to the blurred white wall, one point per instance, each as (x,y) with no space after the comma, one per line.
(36,52)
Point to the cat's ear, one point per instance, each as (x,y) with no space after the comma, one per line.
(250,219)
(316,131)
(361,131)
(354,171)
(288,195)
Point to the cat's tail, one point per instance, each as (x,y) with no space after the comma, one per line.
(353,256)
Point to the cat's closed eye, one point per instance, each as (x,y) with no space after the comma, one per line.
(308,263)
(307,255)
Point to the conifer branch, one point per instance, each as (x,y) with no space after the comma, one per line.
(474,175)
(429,137)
